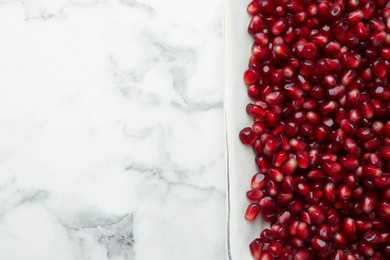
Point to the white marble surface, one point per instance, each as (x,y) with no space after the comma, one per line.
(111,130)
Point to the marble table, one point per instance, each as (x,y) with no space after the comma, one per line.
(111,130)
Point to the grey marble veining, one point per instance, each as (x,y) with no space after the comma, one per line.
(111,130)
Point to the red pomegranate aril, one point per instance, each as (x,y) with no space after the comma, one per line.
(384,208)
(247,136)
(344,192)
(379,68)
(331,168)
(340,240)
(254,195)
(336,92)
(309,51)
(267,203)
(251,76)
(259,181)
(366,249)
(362,31)
(378,38)
(319,244)
(287,184)
(368,203)
(385,152)
(368,9)
(275,248)
(266,255)
(303,159)
(316,215)
(256,248)
(371,171)
(372,237)
(355,16)
(329,192)
(372,145)
(363,225)
(352,147)
(279,26)
(275,174)
(279,231)
(350,60)
(272,188)
(252,212)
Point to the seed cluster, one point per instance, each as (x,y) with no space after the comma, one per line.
(319,80)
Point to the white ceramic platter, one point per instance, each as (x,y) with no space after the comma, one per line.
(241,164)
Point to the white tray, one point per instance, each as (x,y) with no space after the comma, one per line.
(240,159)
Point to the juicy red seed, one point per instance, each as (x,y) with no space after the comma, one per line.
(252,212)
(368,9)
(247,136)
(255,195)
(371,171)
(259,181)
(378,38)
(317,216)
(372,237)
(319,244)
(379,68)
(366,249)
(251,76)
(275,248)
(303,159)
(267,203)
(368,203)
(344,192)
(279,26)
(385,152)
(304,254)
(256,248)
(340,240)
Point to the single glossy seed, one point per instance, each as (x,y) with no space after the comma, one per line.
(252,212)
(256,248)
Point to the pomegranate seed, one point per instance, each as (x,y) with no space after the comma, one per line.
(344,192)
(252,212)
(340,240)
(303,159)
(287,254)
(254,195)
(247,136)
(379,68)
(368,9)
(378,39)
(316,215)
(372,237)
(259,181)
(366,249)
(304,254)
(355,16)
(266,6)
(251,76)
(256,248)
(319,244)
(368,203)
(266,255)
(275,248)
(267,203)
(279,26)
(350,60)
(371,171)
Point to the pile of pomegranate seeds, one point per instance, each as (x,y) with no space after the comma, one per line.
(319,80)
